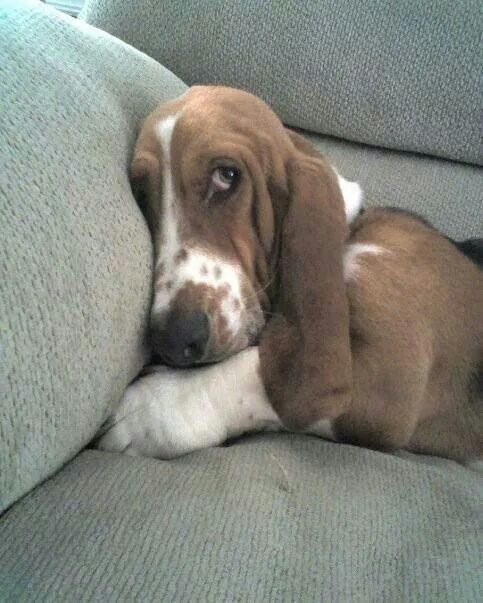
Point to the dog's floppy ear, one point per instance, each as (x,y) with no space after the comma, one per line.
(305,348)
(302,144)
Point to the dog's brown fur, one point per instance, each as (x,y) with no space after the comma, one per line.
(417,341)
(393,355)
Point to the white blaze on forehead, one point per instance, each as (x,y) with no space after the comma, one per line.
(165,132)
(169,236)
(352,254)
(196,266)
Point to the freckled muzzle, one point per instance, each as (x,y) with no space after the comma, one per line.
(203,323)
(194,328)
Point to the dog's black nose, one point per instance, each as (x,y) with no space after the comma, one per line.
(183,338)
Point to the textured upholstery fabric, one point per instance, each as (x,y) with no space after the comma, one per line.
(403,75)
(447,193)
(75,255)
(274,518)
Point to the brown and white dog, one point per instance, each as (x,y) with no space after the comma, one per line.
(358,327)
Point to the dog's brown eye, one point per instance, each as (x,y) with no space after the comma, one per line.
(223,179)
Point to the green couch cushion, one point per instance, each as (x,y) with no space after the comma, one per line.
(75,255)
(403,75)
(273,518)
(447,193)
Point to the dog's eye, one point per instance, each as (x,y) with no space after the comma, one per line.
(223,180)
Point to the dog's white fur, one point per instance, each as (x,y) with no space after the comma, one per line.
(352,253)
(352,195)
(171,412)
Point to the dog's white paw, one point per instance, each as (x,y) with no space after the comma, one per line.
(172,412)
(163,415)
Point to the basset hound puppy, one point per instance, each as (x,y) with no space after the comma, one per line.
(306,314)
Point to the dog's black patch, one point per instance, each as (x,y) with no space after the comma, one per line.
(475,384)
(472,248)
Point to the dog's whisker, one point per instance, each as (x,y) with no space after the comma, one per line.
(267,285)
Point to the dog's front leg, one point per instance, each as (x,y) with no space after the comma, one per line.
(172,412)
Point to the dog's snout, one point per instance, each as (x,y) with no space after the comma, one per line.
(183,338)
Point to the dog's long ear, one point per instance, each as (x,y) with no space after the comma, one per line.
(303,145)
(305,348)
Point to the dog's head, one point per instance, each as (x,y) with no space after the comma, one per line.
(213,171)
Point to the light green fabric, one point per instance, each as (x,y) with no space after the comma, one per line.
(75,255)
(274,518)
(447,193)
(395,73)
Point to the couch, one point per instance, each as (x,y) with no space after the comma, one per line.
(391,92)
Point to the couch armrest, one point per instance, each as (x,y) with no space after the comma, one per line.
(75,255)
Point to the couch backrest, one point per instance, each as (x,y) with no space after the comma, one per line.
(75,255)
(397,74)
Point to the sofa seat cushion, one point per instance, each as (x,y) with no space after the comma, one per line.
(270,518)
(447,193)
